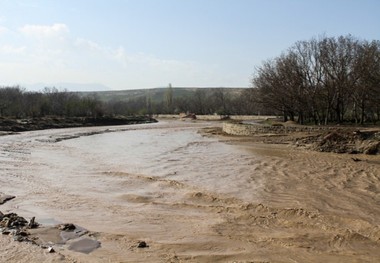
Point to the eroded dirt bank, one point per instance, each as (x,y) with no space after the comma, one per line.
(190,198)
(9,125)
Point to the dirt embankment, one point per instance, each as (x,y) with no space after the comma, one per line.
(347,141)
(340,140)
(18,125)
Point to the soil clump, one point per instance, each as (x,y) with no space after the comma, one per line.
(347,141)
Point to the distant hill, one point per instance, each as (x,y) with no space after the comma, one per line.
(156,94)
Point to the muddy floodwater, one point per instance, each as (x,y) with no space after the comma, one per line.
(189,197)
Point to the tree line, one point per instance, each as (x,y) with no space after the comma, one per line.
(325,80)
(16,102)
(220,101)
(200,101)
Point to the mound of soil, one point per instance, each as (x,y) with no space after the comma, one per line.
(347,141)
(340,140)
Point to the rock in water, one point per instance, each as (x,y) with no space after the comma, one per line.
(67,227)
(142,244)
(33,223)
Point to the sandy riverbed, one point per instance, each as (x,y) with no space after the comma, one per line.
(190,198)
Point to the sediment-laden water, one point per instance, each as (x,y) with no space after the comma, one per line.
(191,198)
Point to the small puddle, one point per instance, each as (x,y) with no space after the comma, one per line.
(73,234)
(53,235)
(84,245)
(48,221)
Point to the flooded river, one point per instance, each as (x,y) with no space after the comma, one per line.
(191,198)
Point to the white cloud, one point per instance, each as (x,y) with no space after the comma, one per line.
(45,31)
(8,49)
(51,54)
(119,54)
(88,44)
(3,30)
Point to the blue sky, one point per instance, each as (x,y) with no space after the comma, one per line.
(132,44)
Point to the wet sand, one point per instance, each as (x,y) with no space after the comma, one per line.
(190,198)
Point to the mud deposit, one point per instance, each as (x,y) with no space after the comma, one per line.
(164,193)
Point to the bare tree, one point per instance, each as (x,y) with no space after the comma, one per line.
(169,99)
(330,79)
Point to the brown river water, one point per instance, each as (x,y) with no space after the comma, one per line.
(191,198)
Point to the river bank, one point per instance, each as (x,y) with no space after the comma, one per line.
(9,125)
